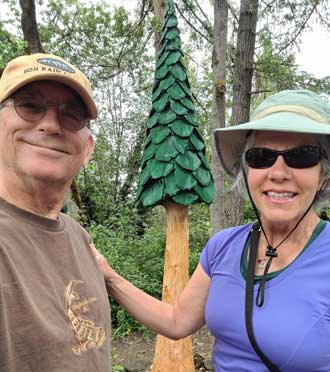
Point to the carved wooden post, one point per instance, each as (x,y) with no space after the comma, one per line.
(175,174)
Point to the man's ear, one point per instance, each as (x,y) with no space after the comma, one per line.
(89,149)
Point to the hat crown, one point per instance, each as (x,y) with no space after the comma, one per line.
(40,66)
(301,102)
(289,111)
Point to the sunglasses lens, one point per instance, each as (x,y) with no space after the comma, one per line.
(300,157)
(260,157)
(303,157)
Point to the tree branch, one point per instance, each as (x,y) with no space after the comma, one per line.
(294,38)
(193,27)
(232,11)
(261,91)
(206,26)
(199,103)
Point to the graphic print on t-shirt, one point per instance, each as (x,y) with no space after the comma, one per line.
(88,335)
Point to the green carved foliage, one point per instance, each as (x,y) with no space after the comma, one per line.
(174,166)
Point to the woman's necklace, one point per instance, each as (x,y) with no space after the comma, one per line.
(271,252)
(261,263)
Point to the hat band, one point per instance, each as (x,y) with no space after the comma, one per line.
(314,115)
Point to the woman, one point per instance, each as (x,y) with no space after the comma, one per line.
(281,161)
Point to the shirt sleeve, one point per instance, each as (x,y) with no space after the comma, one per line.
(204,260)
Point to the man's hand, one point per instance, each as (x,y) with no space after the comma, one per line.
(102,263)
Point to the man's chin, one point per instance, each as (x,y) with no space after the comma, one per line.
(48,177)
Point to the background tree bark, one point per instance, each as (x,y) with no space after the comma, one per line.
(219,67)
(29,26)
(229,207)
(159,7)
(242,85)
(243,71)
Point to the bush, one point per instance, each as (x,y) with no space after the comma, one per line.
(140,258)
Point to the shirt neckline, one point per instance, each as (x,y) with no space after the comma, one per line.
(243,257)
(31,218)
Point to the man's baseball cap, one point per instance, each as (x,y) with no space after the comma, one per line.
(39,66)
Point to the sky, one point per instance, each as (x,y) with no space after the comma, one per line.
(314,54)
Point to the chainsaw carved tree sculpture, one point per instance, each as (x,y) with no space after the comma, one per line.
(175,173)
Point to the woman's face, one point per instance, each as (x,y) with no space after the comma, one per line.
(280,193)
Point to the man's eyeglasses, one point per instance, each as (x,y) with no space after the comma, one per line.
(299,157)
(72,116)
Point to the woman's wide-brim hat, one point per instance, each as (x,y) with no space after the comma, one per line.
(294,111)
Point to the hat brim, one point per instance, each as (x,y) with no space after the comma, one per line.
(64,79)
(230,141)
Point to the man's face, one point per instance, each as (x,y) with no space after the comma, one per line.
(42,150)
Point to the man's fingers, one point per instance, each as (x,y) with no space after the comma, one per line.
(96,253)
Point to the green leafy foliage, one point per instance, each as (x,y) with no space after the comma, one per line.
(11,46)
(139,257)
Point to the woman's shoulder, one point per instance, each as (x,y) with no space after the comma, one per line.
(227,240)
(230,233)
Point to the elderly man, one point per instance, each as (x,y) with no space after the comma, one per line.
(54,311)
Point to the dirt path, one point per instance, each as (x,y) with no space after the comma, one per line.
(135,353)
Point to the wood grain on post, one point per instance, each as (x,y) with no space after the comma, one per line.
(175,356)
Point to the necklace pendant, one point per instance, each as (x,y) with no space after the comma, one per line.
(261,263)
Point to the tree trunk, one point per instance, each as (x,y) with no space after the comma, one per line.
(228,207)
(175,356)
(219,67)
(244,61)
(159,7)
(29,26)
(242,84)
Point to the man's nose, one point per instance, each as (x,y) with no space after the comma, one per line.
(50,123)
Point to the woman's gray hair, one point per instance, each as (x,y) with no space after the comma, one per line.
(239,181)
(323,197)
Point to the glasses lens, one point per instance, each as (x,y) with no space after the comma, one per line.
(260,157)
(29,108)
(303,157)
(73,116)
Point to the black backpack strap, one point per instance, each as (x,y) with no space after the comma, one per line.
(249,298)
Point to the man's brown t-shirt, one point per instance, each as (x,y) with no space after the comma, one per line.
(54,309)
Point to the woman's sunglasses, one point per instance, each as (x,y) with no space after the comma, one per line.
(299,157)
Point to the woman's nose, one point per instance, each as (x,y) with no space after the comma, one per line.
(279,169)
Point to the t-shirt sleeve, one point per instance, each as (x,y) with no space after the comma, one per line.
(204,259)
(216,250)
